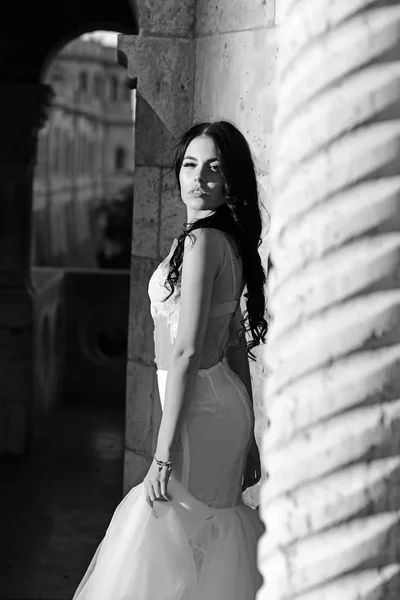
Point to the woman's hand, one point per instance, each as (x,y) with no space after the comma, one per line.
(252,472)
(155,483)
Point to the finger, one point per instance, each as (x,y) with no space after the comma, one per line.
(156,488)
(147,496)
(163,489)
(151,494)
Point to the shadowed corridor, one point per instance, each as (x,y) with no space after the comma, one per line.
(57,501)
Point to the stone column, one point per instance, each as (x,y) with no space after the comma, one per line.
(24,108)
(162,61)
(331,504)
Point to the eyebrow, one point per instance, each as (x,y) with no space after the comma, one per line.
(194,158)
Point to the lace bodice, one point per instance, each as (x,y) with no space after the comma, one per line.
(227,290)
(168,310)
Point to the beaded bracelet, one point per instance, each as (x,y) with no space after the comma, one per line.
(166,463)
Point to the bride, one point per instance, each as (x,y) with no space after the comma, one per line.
(185,533)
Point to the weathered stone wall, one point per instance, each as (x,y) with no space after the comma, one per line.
(235,56)
(192,60)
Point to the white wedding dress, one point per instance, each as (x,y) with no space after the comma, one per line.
(202,544)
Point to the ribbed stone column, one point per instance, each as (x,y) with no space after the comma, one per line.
(331,504)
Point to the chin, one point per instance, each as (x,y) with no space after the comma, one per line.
(200,204)
(197,204)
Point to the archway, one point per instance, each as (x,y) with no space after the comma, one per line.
(25,101)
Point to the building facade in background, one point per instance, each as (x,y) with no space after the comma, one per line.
(85,153)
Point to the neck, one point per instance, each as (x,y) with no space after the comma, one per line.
(195,215)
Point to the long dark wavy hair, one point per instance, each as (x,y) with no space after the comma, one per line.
(240,217)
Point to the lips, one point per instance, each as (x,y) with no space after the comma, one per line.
(198,191)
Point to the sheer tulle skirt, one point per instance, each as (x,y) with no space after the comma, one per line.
(187,549)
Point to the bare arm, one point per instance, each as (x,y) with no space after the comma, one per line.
(199,268)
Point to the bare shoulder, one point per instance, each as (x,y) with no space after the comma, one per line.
(204,239)
(202,252)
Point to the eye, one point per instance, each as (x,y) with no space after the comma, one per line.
(188,164)
(215,168)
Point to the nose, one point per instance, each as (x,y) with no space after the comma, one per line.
(199,175)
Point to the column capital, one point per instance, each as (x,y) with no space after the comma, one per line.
(25,108)
(164,68)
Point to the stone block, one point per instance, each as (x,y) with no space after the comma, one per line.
(264,189)
(167,17)
(146,182)
(235,15)
(154,142)
(235,80)
(252,495)
(139,407)
(145,223)
(144,238)
(173,212)
(140,343)
(279,11)
(135,469)
(258,374)
(264,251)
(164,68)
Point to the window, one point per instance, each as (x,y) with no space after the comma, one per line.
(98,86)
(67,156)
(41,164)
(83,81)
(127,92)
(113,88)
(120,158)
(56,149)
(91,166)
(79,153)
(61,164)
(84,154)
(57,75)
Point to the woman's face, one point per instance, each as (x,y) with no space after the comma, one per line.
(200,178)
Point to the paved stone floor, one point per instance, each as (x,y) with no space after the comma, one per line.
(56,502)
